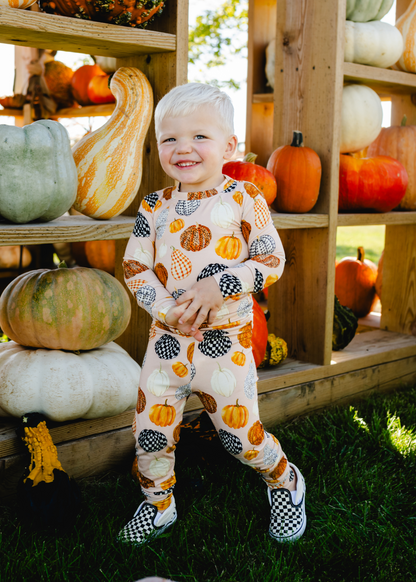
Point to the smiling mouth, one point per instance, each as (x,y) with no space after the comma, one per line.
(186,164)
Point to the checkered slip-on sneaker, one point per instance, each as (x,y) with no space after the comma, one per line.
(288,517)
(142,527)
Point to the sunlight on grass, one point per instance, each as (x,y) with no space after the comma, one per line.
(402,438)
(349,238)
(360,421)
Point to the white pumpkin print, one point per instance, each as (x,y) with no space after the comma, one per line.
(162,250)
(247,288)
(223,381)
(162,313)
(255,408)
(159,467)
(158,382)
(222,214)
(143,256)
(222,312)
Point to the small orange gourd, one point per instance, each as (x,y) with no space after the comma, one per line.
(256,433)
(176,225)
(180,369)
(235,415)
(228,247)
(162,414)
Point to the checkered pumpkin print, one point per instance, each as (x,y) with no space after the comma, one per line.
(211,269)
(177,293)
(230,285)
(261,212)
(230,186)
(150,201)
(146,295)
(258,281)
(181,266)
(215,344)
(167,347)
(187,207)
(152,441)
(262,245)
(230,442)
(141,226)
(135,284)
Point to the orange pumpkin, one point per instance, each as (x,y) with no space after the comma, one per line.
(238,358)
(208,402)
(297,170)
(164,503)
(181,266)
(162,414)
(176,225)
(161,273)
(270,280)
(169,482)
(279,469)
(10,257)
(399,142)
(106,187)
(238,197)
(101,254)
(98,90)
(245,335)
(180,369)
(132,268)
(246,230)
(190,352)
(355,283)
(228,247)
(80,81)
(260,333)
(176,432)
(195,238)
(235,415)
(256,433)
(141,401)
(248,171)
(250,455)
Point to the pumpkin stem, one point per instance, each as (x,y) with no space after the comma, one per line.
(62,265)
(250,158)
(166,402)
(297,141)
(360,254)
(237,403)
(404,120)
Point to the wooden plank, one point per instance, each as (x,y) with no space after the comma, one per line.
(285,221)
(262,98)
(259,137)
(41,30)
(394,218)
(385,81)
(66,229)
(69,112)
(164,72)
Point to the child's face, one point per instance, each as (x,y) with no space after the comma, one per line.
(192,149)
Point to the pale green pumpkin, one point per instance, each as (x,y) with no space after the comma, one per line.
(365,10)
(38,176)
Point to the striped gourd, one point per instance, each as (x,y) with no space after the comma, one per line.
(109,160)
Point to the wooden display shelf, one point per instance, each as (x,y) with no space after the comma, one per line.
(384,81)
(370,219)
(288,221)
(66,229)
(262,98)
(40,30)
(88,111)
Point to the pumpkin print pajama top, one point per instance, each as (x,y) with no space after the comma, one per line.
(178,239)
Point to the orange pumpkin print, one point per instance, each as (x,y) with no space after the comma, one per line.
(190,352)
(158,205)
(208,402)
(228,247)
(167,192)
(250,455)
(176,432)
(132,268)
(163,503)
(181,266)
(245,230)
(256,433)
(268,260)
(238,358)
(195,238)
(176,225)
(238,197)
(141,401)
(235,415)
(171,449)
(161,273)
(251,190)
(280,469)
(146,206)
(261,212)
(245,335)
(270,280)
(162,414)
(152,331)
(228,325)
(134,284)
(137,476)
(180,369)
(168,483)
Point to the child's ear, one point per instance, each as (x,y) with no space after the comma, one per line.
(231,147)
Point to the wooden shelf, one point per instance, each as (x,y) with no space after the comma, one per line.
(289,221)
(381,80)
(393,218)
(263,98)
(88,111)
(40,30)
(66,229)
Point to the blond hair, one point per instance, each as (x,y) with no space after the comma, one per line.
(186,99)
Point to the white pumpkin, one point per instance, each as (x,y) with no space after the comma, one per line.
(222,312)
(365,10)
(223,381)
(361,117)
(222,214)
(108,64)
(66,385)
(159,467)
(144,257)
(372,43)
(158,382)
(270,62)
(162,250)
(17,3)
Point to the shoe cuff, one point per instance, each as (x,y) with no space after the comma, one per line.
(300,484)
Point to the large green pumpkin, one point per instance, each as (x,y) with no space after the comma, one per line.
(38,176)
(64,309)
(365,10)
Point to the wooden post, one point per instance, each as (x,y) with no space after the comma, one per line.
(308,97)
(164,71)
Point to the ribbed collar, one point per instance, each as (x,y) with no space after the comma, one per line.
(227,185)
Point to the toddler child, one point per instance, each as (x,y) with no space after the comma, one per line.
(197,252)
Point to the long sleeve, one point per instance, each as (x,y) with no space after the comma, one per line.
(266,260)
(145,281)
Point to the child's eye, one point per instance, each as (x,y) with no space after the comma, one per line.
(169,139)
(199,136)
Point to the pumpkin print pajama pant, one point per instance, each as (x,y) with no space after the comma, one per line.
(178,239)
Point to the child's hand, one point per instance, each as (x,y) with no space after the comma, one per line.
(202,300)
(172,319)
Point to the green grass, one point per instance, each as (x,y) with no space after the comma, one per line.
(369,237)
(359,463)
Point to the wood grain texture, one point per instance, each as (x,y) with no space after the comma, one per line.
(393,218)
(66,229)
(40,30)
(383,81)
(307,220)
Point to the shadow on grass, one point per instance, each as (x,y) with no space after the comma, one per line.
(359,465)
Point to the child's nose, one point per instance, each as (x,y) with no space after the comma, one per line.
(184,146)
